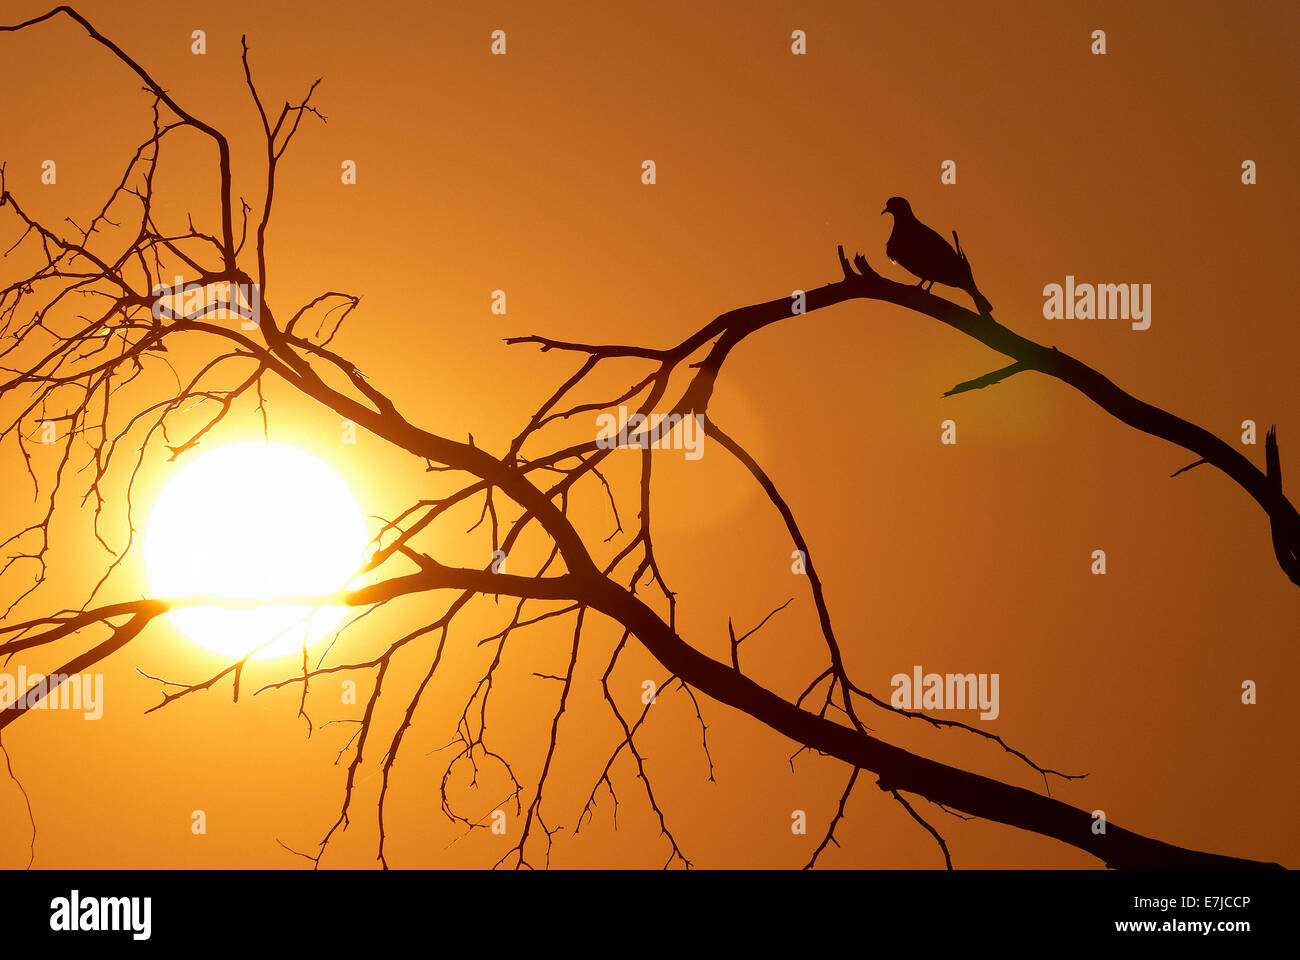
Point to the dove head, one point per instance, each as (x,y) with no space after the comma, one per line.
(898,207)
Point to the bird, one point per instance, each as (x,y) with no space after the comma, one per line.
(919,250)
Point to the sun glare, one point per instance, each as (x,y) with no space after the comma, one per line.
(252,520)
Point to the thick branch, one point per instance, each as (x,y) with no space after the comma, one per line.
(897,769)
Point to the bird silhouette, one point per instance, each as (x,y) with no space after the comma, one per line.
(919,250)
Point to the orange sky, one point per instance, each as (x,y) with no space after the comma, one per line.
(522,173)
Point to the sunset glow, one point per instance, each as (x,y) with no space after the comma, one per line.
(252,520)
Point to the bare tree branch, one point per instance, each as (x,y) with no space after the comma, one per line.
(65,368)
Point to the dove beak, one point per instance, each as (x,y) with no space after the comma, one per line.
(885,211)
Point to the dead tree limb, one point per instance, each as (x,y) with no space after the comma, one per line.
(67,368)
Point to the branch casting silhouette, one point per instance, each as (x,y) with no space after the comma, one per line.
(92,359)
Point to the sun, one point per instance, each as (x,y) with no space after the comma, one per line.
(251,520)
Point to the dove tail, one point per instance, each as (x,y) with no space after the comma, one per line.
(981,302)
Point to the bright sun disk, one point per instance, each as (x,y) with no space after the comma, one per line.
(251,520)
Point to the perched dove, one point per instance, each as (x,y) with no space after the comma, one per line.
(919,250)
